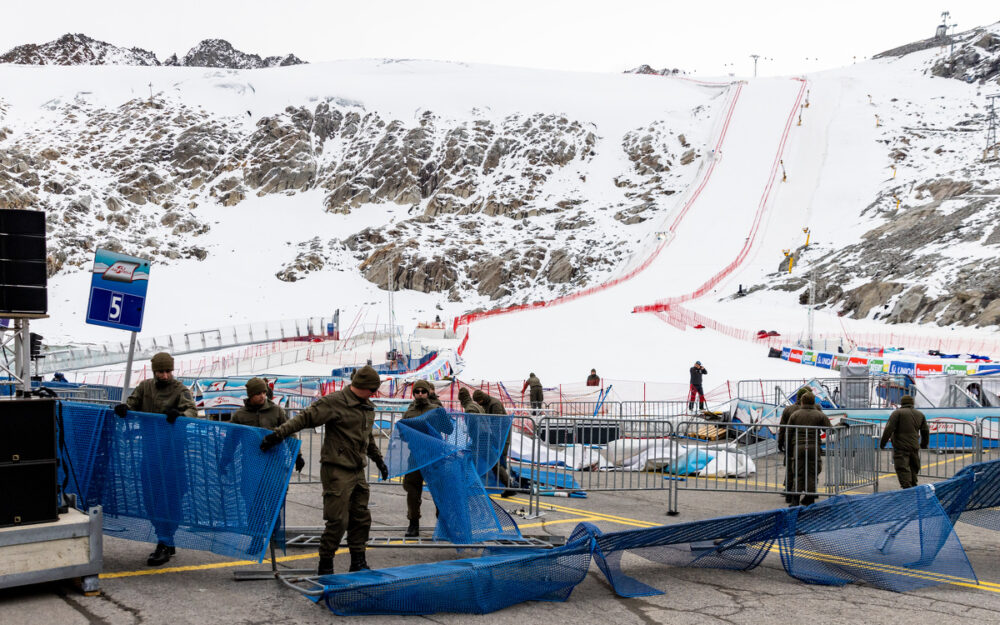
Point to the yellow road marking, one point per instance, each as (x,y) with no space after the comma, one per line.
(305,556)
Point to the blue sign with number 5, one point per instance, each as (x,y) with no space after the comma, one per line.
(118,291)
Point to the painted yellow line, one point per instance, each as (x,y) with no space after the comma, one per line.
(885,568)
(886,476)
(205,567)
(306,556)
(599,516)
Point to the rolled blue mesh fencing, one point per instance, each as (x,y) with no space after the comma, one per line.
(899,540)
(194,484)
(453,451)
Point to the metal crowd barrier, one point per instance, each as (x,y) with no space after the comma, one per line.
(882,391)
(850,456)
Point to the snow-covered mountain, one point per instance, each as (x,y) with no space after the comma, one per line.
(513,191)
(79,49)
(926,242)
(477,187)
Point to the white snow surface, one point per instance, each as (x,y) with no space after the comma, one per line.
(835,164)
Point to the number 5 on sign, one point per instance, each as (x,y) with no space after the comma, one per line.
(115,310)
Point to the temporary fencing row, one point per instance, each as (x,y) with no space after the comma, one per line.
(753,463)
(185,342)
(882,391)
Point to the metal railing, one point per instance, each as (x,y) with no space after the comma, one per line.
(741,466)
(183,343)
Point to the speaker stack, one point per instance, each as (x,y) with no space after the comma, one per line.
(22,263)
(29,483)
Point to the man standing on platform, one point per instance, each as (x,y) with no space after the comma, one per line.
(535,395)
(424,400)
(696,390)
(348,415)
(492,405)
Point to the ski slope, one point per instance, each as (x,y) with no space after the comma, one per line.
(600,331)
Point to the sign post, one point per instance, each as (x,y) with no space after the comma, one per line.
(118,297)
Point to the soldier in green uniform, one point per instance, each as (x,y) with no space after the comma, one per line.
(348,415)
(783,436)
(908,431)
(260,412)
(804,442)
(492,405)
(535,393)
(468,406)
(162,395)
(424,400)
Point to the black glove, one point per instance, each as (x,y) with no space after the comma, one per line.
(172,414)
(270,441)
(121,410)
(300,463)
(382,469)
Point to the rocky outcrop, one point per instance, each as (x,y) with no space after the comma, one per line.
(482,205)
(221,53)
(79,49)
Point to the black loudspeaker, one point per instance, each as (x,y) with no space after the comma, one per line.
(23,272)
(29,493)
(27,430)
(28,467)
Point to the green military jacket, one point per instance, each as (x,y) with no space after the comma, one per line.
(147,397)
(534,382)
(494,406)
(269,416)
(807,415)
(907,429)
(415,409)
(348,420)
(471,407)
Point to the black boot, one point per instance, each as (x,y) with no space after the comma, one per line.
(508,493)
(325,565)
(358,562)
(414,529)
(161,555)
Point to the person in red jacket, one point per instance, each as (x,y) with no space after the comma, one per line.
(593,379)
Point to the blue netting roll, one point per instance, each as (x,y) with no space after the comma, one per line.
(452,451)
(196,484)
(900,540)
(471,586)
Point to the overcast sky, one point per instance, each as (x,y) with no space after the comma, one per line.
(704,37)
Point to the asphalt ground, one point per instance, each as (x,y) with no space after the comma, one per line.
(198,587)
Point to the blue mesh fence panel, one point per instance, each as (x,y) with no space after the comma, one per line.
(453,451)
(195,484)
(80,429)
(981,506)
(900,540)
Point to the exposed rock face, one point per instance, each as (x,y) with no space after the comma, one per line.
(481,205)
(646,69)
(78,49)
(221,53)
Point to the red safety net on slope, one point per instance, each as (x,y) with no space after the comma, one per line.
(476,316)
(762,205)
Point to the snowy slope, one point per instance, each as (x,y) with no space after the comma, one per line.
(837,161)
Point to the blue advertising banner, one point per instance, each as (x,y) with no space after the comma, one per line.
(785,352)
(118,291)
(902,367)
(824,360)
